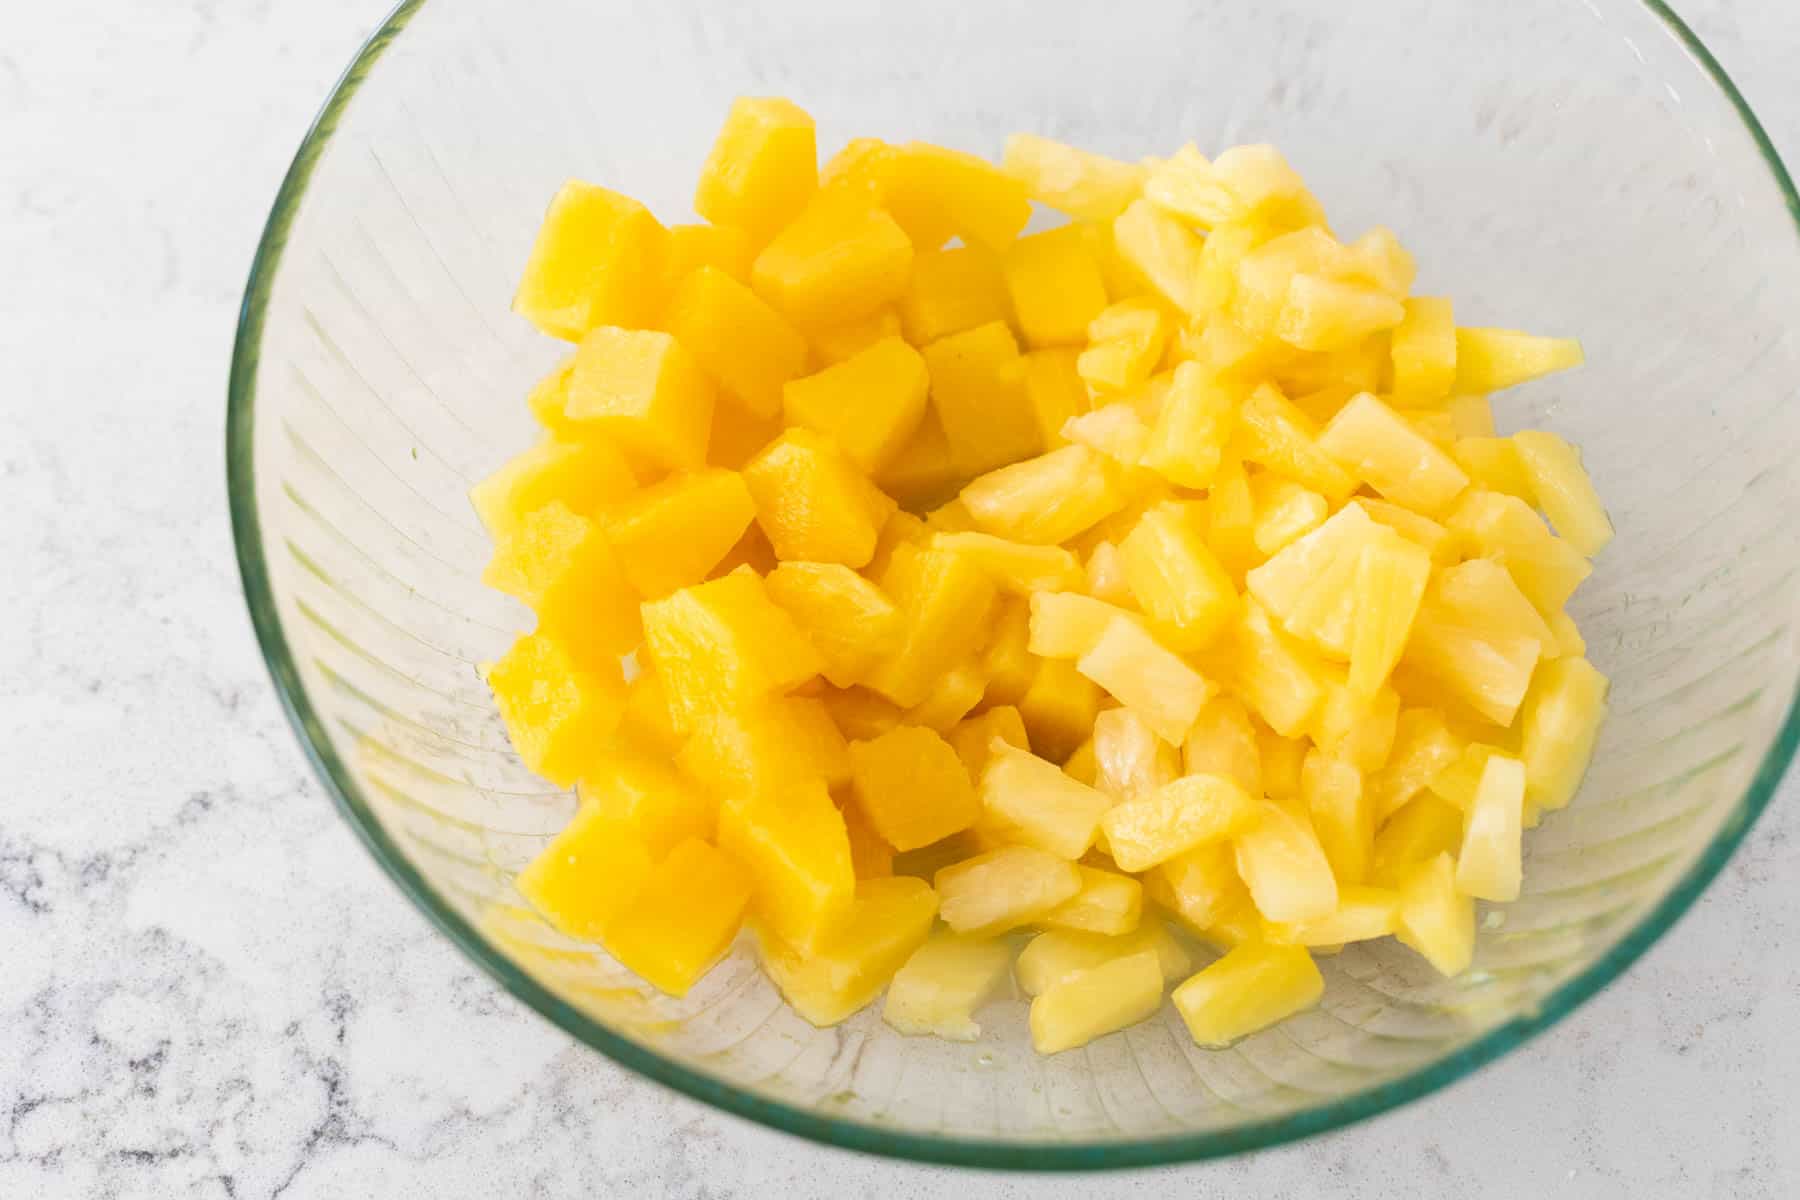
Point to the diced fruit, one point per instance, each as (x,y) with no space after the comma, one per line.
(1059,708)
(1251,988)
(795,846)
(643,390)
(1389,584)
(1423,746)
(682,919)
(859,713)
(939,988)
(737,437)
(1361,732)
(1129,759)
(1493,463)
(1488,866)
(1175,577)
(596,261)
(937,193)
(1059,955)
(762,169)
(913,787)
(1003,889)
(691,247)
(1114,430)
(1568,634)
(1563,490)
(1145,677)
(1048,499)
(1423,828)
(1055,286)
(1459,781)
(1096,1002)
(1422,532)
(1202,888)
(674,532)
(1087,186)
(1424,351)
(1374,443)
(766,747)
(951,291)
(978,392)
(1485,668)
(813,503)
(557,712)
(1016,566)
(1490,359)
(564,567)
(1282,760)
(1503,528)
(944,601)
(1007,661)
(1174,819)
(1162,250)
(1222,742)
(1343,819)
(1193,429)
(1036,804)
(1284,511)
(840,259)
(1243,183)
(1108,903)
(1267,275)
(870,856)
(582,476)
(887,922)
(845,617)
(644,794)
(1362,914)
(1470,416)
(1560,721)
(747,348)
(921,473)
(586,875)
(1273,674)
(1331,314)
(1105,573)
(1310,585)
(1125,343)
(724,643)
(1436,919)
(870,404)
(1481,594)
(845,340)
(1284,866)
(1055,389)
(647,719)
(1273,433)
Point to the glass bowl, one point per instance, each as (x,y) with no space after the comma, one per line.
(1581,168)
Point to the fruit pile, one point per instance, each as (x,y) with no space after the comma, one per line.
(904,580)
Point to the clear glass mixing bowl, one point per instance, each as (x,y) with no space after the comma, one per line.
(1578,166)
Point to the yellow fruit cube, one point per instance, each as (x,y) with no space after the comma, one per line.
(1488,867)
(1251,988)
(1195,426)
(640,791)
(1361,732)
(1272,433)
(564,567)
(1282,760)
(1493,463)
(674,532)
(939,988)
(1504,528)
(1222,743)
(1054,283)
(1098,1001)
(870,856)
(1284,511)
(1243,183)
(1087,186)
(1126,342)
(737,436)
(840,259)
(958,691)
(1423,746)
(1423,532)
(1424,351)
(1343,819)
(870,404)
(644,391)
(596,261)
(1147,678)
(1561,719)
(1059,955)
(912,787)
(1486,666)
(580,475)
(1108,903)
(1054,387)
(1068,624)
(1459,781)
(586,875)
(1387,590)
(547,398)
(1122,279)
(1377,445)
(978,393)
(1310,585)
(1490,359)
(1203,890)
(1031,802)
(1363,914)
(1423,828)
(813,503)
(724,643)
(682,919)
(1018,567)
(766,747)
(944,600)
(1481,594)
(746,348)
(838,343)
(1281,861)
(1059,708)
(762,169)
(951,291)
(1048,499)
(889,920)
(1332,314)
(1174,576)
(1105,573)
(845,617)
(691,247)
(1007,662)
(921,474)
(1003,889)
(859,713)
(1435,919)
(1161,249)
(949,517)
(973,737)
(1563,490)
(1130,761)
(647,720)
(1269,274)
(795,846)
(936,193)
(1275,676)
(1117,431)
(1175,819)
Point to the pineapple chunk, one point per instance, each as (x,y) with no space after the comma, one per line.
(1161,249)
(557,712)
(1484,667)
(1343,819)
(944,602)
(1125,342)
(1108,903)
(1175,577)
(1003,889)
(1490,359)
(1145,677)
(1561,719)
(839,260)
(1059,708)
(1105,573)
(1008,662)
(845,340)
(1059,955)
(1244,183)
(1332,314)
(1422,829)
(1359,732)
(1363,914)
(1374,443)
(592,263)
(762,169)
(1284,866)
(972,738)
(1267,275)
(723,643)
(563,566)
(737,437)
(937,194)
(1273,433)
(1423,746)
(1047,499)
(1470,416)
(1115,430)
(859,713)
(1057,393)
(1222,742)
(1424,351)
(647,718)
(1251,988)
(813,503)
(1284,511)
(1459,782)
(1231,518)
(1563,490)
(766,747)
(1098,1001)
(1282,760)
(1225,248)
(1488,867)
(643,390)
(912,787)
(1493,463)
(587,875)
(869,404)
(1068,624)
(1018,567)
(1273,674)
(1435,919)
(1203,889)
(1481,593)
(978,392)
(939,988)
(845,617)
(580,476)
(1388,587)
(692,247)
(951,291)
(1087,186)
(745,346)
(1310,586)
(1129,759)
(644,794)
(1055,286)
(1034,803)
(1568,634)
(957,693)
(870,856)
(887,922)
(794,844)
(1503,528)
(1422,532)
(921,474)
(1192,431)
(546,400)
(1174,819)
(682,919)
(673,533)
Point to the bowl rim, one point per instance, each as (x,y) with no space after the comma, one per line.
(841,1131)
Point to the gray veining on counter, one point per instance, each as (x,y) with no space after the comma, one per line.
(207,989)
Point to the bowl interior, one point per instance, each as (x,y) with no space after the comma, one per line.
(1572,168)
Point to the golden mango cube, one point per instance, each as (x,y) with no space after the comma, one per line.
(724,643)
(978,393)
(845,617)
(870,856)
(1558,725)
(1129,759)
(920,473)
(1048,499)
(1003,889)
(1035,804)
(958,691)
(828,983)
(596,262)
(643,793)
(1096,1002)
(582,476)
(1424,351)
(763,747)
(1189,438)
(1362,914)
(1488,867)
(647,719)
(950,291)
(936,992)
(1108,903)
(746,347)
(1175,819)
(1059,708)
(840,259)
(1504,528)
(1272,433)
(1086,186)
(1058,955)
(840,342)
(1018,567)
(1055,286)
(813,503)
(944,600)
(796,848)
(563,566)
(586,875)
(1375,444)
(1147,678)
(1175,577)
(1251,988)
(936,194)
(682,919)
(693,246)
(1563,490)
(870,404)
(762,168)
(1282,862)
(1161,249)
(912,787)
(1284,511)
(674,533)
(547,398)
(1055,389)
(1493,463)
(644,391)
(1222,742)
(1490,359)
(1435,919)
(1343,819)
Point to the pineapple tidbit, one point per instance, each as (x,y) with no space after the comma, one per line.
(1148,588)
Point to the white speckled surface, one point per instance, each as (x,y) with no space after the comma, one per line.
(206,987)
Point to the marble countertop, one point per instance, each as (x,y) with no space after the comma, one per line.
(207,989)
